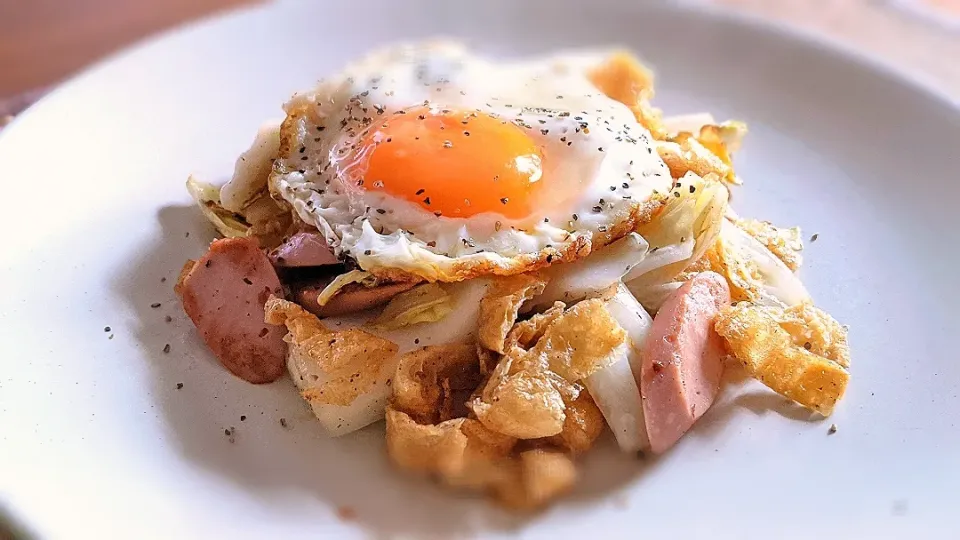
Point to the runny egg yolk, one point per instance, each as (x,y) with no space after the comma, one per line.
(454,163)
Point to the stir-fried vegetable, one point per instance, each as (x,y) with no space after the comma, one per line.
(341,281)
(425,303)
(753,271)
(207,196)
(614,388)
(592,276)
(685,229)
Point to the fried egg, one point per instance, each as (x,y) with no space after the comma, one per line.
(428,160)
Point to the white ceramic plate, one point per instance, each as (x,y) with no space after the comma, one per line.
(96,439)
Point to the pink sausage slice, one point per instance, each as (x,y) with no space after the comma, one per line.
(223,294)
(682,359)
(303,249)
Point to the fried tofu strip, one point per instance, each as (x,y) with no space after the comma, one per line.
(499,308)
(799,352)
(526,395)
(623,78)
(463,453)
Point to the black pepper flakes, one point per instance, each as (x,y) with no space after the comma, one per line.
(426,201)
(155,305)
(243,417)
(168,318)
(505,200)
(247,281)
(832,430)
(283,422)
(597,209)
(693,188)
(106,328)
(808,345)
(166,348)
(179,386)
(814,237)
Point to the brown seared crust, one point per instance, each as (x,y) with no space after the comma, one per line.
(288,130)
(184,272)
(350,299)
(223,293)
(581,247)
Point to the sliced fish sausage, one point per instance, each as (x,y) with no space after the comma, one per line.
(350,299)
(303,249)
(223,294)
(682,359)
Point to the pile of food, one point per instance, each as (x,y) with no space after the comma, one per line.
(502,260)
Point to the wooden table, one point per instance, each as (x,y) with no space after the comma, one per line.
(44,41)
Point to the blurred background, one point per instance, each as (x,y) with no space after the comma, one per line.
(43,42)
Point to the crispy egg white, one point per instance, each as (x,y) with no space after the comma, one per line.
(429,160)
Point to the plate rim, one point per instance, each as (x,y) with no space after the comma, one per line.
(820,42)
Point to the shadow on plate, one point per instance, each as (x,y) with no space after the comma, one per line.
(11,528)
(275,461)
